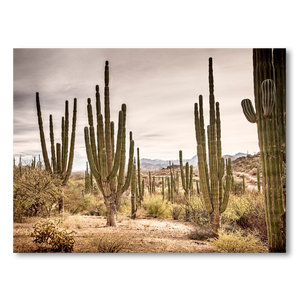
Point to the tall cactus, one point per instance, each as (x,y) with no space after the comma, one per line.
(163,188)
(139,182)
(187,177)
(61,165)
(269,68)
(108,164)
(133,191)
(211,182)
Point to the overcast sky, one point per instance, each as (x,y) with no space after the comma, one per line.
(159,87)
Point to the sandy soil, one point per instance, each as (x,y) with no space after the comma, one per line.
(140,235)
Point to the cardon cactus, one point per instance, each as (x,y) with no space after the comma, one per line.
(211,175)
(133,191)
(107,161)
(270,116)
(186,177)
(61,163)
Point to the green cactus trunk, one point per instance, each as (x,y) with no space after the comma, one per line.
(133,191)
(270,116)
(186,177)
(211,185)
(108,168)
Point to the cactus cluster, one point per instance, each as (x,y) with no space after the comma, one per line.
(107,160)
(269,70)
(211,175)
(61,163)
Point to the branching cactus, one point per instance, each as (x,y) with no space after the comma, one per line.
(211,175)
(61,163)
(186,177)
(107,161)
(269,70)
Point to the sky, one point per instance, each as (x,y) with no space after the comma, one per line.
(159,87)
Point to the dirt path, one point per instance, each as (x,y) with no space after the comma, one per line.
(141,235)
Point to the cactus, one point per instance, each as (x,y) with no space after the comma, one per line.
(244,185)
(150,189)
(163,188)
(211,175)
(89,187)
(197,186)
(187,178)
(258,178)
(61,165)
(269,68)
(133,191)
(139,182)
(108,168)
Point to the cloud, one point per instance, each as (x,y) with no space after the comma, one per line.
(159,87)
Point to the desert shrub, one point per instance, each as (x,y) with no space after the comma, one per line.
(125,207)
(156,207)
(248,212)
(238,187)
(35,193)
(201,233)
(112,242)
(238,242)
(47,233)
(176,211)
(72,222)
(195,211)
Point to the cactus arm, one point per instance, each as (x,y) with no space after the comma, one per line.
(65,141)
(53,158)
(112,133)
(187,176)
(191,178)
(249,111)
(202,180)
(129,169)
(58,156)
(227,187)
(107,119)
(90,155)
(182,171)
(42,135)
(118,149)
(72,144)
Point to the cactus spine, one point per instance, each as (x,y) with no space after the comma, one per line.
(269,67)
(215,198)
(108,168)
(61,165)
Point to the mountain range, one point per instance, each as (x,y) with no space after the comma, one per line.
(158,164)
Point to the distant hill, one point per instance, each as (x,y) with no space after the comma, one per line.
(158,164)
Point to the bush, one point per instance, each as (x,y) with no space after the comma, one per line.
(156,207)
(176,211)
(112,242)
(248,212)
(195,211)
(202,233)
(48,233)
(35,193)
(237,242)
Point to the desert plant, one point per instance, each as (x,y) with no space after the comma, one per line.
(211,182)
(113,242)
(61,164)
(107,164)
(270,116)
(88,180)
(140,183)
(187,178)
(156,208)
(48,233)
(163,188)
(35,193)
(238,242)
(133,191)
(176,211)
(258,178)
